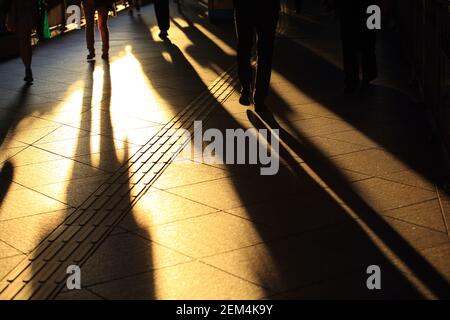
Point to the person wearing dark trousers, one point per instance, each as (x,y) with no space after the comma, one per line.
(298,6)
(163,17)
(358,44)
(134,4)
(260,18)
(102,7)
(20,20)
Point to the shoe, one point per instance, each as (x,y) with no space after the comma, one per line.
(105,56)
(246,97)
(130,12)
(90,57)
(163,34)
(28,76)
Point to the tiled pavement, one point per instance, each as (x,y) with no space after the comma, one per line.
(358,184)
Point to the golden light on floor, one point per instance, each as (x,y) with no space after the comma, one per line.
(219,42)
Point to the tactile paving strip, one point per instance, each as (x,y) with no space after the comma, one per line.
(43,273)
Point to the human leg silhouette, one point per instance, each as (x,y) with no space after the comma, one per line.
(104,31)
(89,14)
(162,12)
(266,28)
(245,34)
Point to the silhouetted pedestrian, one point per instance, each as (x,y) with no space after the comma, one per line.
(102,7)
(20,20)
(163,17)
(134,4)
(260,18)
(358,43)
(298,6)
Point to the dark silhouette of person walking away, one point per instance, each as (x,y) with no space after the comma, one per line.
(134,4)
(163,17)
(260,18)
(358,43)
(20,20)
(298,6)
(102,7)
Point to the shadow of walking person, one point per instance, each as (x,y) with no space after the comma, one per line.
(9,120)
(6,176)
(84,239)
(384,235)
(120,254)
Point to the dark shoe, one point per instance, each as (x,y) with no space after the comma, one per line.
(105,56)
(90,57)
(28,76)
(163,34)
(246,97)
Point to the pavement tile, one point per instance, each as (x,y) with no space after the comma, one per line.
(210,234)
(418,237)
(330,148)
(7,251)
(53,172)
(353,287)
(26,233)
(384,195)
(14,206)
(77,295)
(296,261)
(438,258)
(185,281)
(296,214)
(427,214)
(63,133)
(229,193)
(72,192)
(159,207)
(372,162)
(7,264)
(412,178)
(8,153)
(30,136)
(33,155)
(82,145)
(187,173)
(354,136)
(319,126)
(108,161)
(127,254)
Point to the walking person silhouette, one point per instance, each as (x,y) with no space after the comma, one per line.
(102,7)
(21,20)
(134,4)
(260,18)
(162,12)
(358,43)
